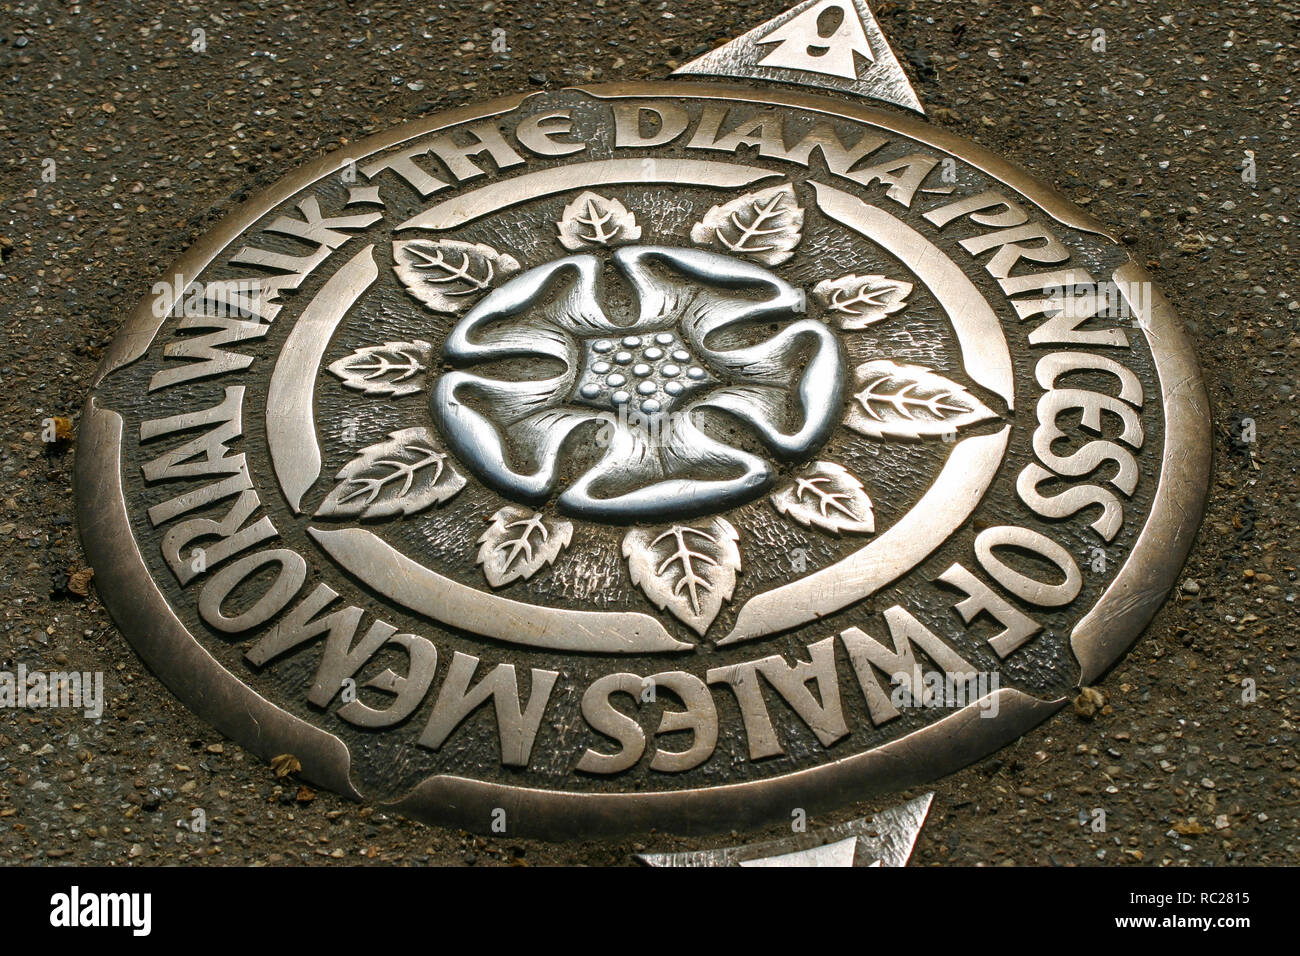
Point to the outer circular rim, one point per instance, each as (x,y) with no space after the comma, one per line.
(222,699)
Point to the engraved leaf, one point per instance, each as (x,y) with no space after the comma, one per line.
(447,274)
(400,476)
(910,401)
(594,220)
(519,542)
(827,496)
(390,369)
(688,570)
(765,225)
(859,301)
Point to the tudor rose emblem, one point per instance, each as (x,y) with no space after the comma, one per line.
(664,454)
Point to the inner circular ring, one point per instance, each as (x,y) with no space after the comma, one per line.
(965,477)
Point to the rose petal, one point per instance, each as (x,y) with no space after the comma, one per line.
(478,440)
(503,402)
(668,481)
(539,312)
(703,291)
(769,401)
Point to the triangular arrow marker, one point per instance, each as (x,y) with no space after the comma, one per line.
(840,853)
(822,39)
(885,839)
(834,44)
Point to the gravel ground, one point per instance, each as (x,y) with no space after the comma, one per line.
(151,142)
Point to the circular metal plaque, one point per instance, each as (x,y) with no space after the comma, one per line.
(660,455)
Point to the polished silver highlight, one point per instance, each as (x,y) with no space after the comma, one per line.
(626,373)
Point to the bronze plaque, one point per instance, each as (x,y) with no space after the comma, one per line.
(650,455)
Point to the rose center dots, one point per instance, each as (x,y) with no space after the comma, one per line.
(650,373)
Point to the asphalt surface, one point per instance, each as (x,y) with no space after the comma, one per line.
(150,141)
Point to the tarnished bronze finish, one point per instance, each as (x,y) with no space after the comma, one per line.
(649,455)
